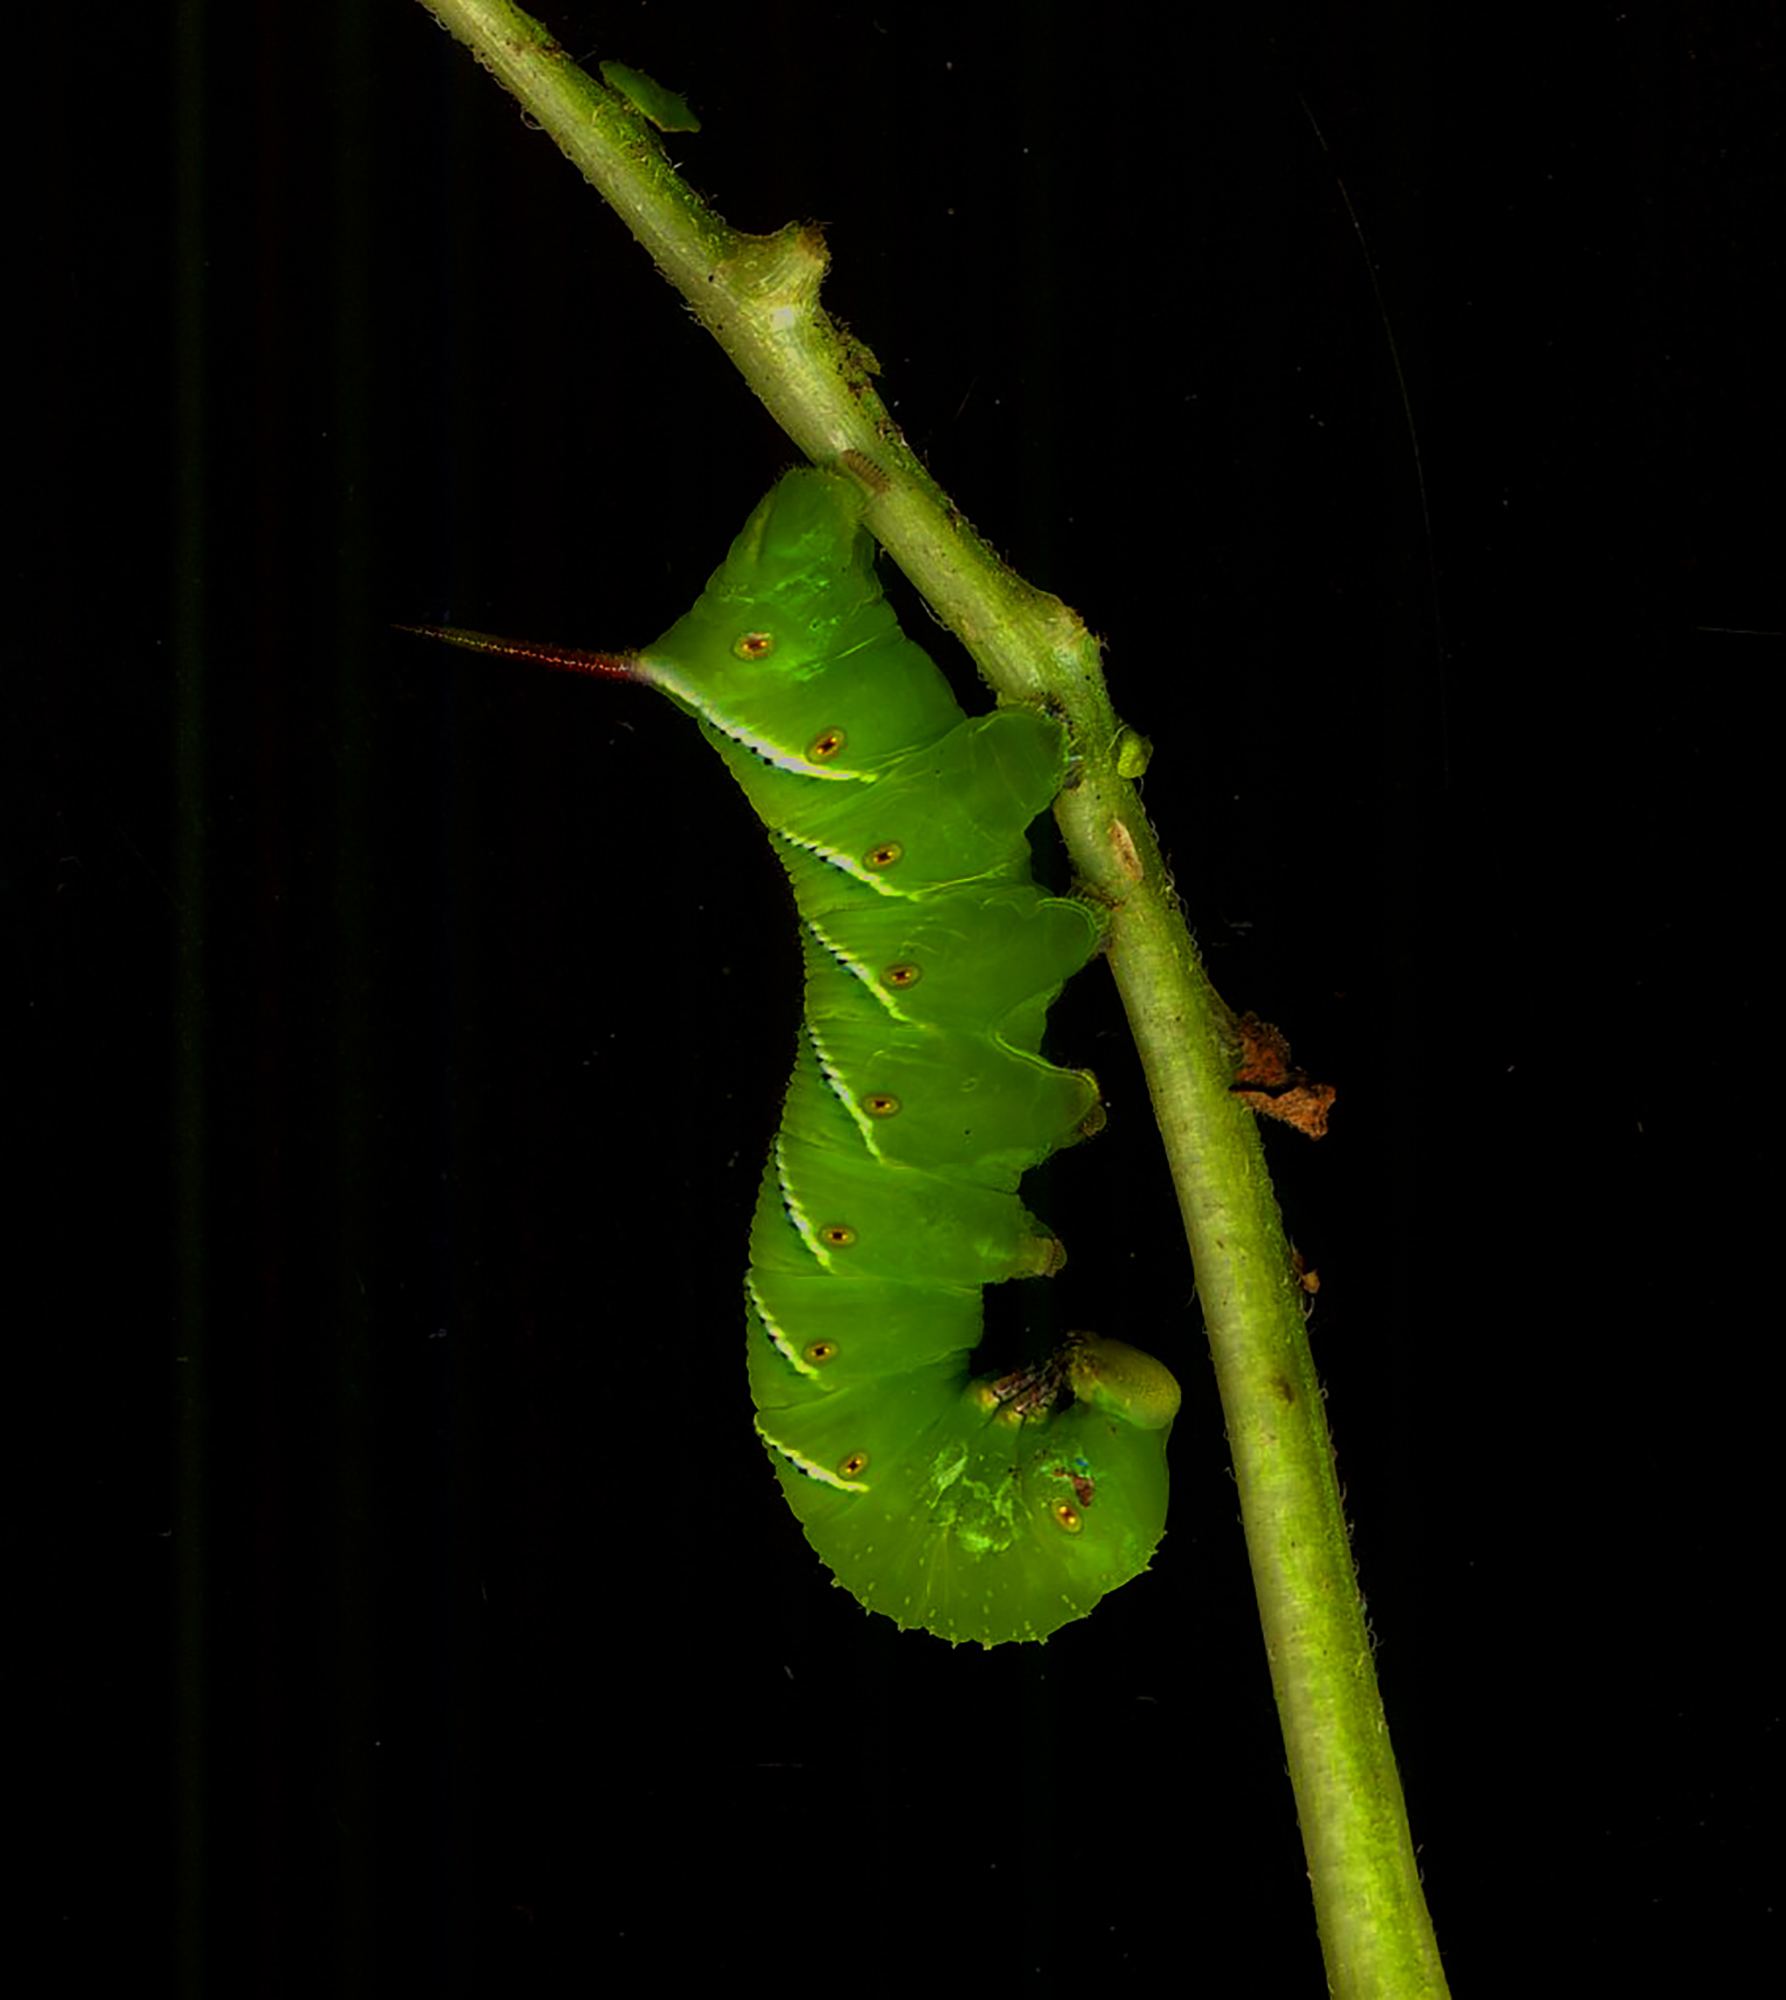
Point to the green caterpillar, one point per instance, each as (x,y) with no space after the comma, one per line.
(977,1509)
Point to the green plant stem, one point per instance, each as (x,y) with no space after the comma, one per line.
(759,296)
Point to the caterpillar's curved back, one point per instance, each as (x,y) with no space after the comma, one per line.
(978,1509)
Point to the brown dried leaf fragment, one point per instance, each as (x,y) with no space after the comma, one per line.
(1270,1083)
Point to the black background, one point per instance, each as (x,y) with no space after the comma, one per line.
(398,1036)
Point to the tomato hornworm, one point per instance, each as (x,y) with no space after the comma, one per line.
(977,1508)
